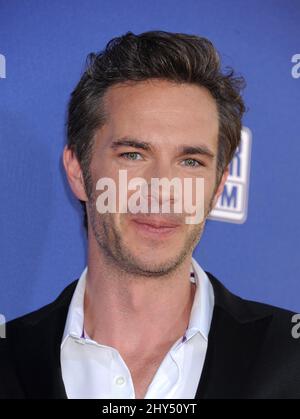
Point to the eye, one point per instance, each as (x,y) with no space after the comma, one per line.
(131,155)
(193,163)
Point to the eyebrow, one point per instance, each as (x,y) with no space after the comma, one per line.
(201,149)
(183,149)
(131,142)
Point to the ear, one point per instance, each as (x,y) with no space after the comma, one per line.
(74,174)
(221,185)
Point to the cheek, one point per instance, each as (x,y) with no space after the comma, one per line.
(208,195)
(120,222)
(209,188)
(200,196)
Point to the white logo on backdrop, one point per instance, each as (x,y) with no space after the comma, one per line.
(232,205)
(2,67)
(296,68)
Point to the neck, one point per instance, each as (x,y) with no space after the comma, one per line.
(131,312)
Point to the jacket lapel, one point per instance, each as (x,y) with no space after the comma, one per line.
(236,336)
(38,358)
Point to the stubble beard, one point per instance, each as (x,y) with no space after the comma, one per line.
(112,244)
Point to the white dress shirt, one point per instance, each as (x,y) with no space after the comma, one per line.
(94,371)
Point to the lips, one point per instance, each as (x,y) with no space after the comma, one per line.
(155,227)
(156,222)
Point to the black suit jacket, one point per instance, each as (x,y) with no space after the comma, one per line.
(251,352)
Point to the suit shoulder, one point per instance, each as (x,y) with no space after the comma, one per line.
(30,319)
(245,310)
(278,312)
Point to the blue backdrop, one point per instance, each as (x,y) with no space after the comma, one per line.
(43,45)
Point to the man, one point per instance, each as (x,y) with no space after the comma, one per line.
(144,320)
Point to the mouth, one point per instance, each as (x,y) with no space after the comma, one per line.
(155,227)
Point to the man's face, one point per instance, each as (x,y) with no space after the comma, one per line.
(164,117)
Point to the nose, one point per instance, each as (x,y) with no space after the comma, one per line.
(163,187)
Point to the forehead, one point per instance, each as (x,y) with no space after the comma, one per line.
(156,110)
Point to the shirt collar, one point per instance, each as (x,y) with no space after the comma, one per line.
(200,318)
(74,322)
(202,308)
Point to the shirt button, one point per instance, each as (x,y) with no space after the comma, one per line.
(120,381)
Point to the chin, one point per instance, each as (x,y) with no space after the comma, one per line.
(155,262)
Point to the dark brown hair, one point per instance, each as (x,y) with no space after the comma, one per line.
(176,57)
